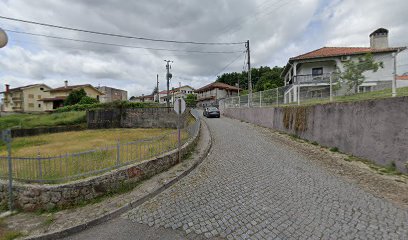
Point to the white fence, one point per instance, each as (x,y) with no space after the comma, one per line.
(306,91)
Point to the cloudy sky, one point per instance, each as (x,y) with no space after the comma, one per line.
(277,30)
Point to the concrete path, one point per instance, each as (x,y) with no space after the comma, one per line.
(252,187)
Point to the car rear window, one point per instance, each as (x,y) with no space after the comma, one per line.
(212,109)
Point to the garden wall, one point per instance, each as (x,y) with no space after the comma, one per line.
(376,130)
(23,132)
(134,118)
(32,197)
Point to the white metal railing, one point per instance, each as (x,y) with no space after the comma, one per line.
(310,89)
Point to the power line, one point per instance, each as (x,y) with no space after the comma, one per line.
(229,64)
(119,35)
(119,45)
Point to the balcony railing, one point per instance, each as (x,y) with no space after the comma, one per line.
(313,79)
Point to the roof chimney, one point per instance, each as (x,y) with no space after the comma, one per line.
(379,39)
(7,88)
(66,83)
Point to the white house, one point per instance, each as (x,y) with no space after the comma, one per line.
(309,75)
(180,92)
(211,94)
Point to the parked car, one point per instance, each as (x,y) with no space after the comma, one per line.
(211,112)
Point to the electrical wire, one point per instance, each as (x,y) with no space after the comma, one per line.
(119,45)
(229,64)
(118,35)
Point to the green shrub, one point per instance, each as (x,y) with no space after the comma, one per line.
(74,97)
(88,100)
(116,104)
(334,149)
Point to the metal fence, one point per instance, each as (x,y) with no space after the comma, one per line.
(65,167)
(307,90)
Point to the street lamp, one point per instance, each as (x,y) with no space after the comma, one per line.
(3,38)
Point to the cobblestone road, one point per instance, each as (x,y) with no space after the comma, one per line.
(251,187)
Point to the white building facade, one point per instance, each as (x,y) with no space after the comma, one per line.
(309,75)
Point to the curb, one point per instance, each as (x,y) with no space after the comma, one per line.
(113,214)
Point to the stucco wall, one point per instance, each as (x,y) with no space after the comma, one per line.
(328,66)
(376,130)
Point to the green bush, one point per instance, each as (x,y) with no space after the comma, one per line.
(116,104)
(75,97)
(88,100)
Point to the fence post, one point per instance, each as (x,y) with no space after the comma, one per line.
(298,93)
(260,98)
(118,153)
(6,137)
(39,164)
(277,96)
(331,89)
(239,101)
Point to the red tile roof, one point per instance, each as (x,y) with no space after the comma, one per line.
(146,96)
(217,85)
(72,87)
(341,51)
(24,87)
(403,77)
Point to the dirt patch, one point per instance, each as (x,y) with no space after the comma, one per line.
(391,187)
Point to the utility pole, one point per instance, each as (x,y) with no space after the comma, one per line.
(168,77)
(394,80)
(157,88)
(249,75)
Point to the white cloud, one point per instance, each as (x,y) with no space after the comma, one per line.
(277,30)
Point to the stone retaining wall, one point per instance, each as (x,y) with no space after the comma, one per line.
(134,118)
(376,130)
(23,132)
(32,197)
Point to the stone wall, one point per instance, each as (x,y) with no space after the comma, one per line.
(32,197)
(23,132)
(134,118)
(376,130)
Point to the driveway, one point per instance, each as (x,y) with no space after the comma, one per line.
(253,187)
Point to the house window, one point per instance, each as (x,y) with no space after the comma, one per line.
(39,96)
(30,95)
(31,105)
(365,89)
(42,89)
(39,105)
(317,71)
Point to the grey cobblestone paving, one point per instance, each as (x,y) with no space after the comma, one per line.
(251,187)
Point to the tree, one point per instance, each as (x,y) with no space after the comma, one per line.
(75,97)
(263,78)
(191,100)
(155,90)
(353,70)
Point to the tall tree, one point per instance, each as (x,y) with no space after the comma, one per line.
(353,70)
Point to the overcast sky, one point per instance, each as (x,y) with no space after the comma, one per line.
(277,30)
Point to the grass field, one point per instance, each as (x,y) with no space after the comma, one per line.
(42,120)
(135,145)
